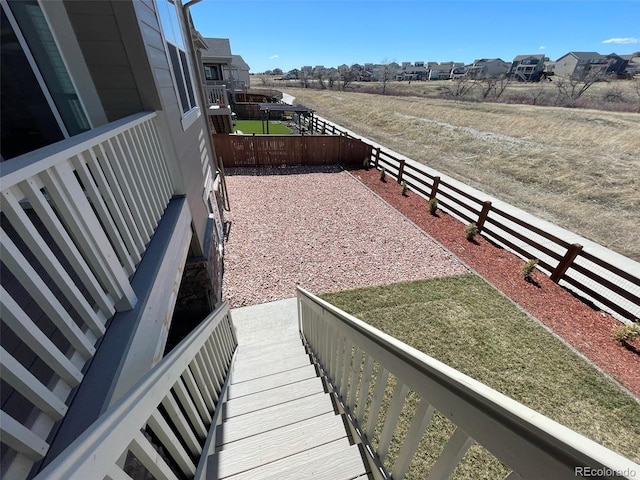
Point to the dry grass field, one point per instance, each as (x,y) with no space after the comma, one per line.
(577,168)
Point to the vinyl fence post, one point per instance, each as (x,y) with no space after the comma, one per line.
(434,188)
(486,207)
(572,252)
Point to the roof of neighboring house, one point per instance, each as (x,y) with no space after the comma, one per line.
(238,62)
(519,58)
(484,61)
(217,48)
(582,55)
(443,66)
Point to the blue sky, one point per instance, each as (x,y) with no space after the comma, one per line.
(288,34)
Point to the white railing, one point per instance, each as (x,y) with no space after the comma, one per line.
(349,352)
(165,420)
(76,219)
(216,96)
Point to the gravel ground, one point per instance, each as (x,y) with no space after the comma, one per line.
(321,229)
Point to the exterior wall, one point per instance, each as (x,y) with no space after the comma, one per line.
(117,56)
(565,66)
(107,55)
(124,49)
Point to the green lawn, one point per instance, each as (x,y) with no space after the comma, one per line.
(255,126)
(466,323)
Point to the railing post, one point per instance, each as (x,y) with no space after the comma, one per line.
(377,158)
(434,188)
(572,252)
(400,171)
(486,207)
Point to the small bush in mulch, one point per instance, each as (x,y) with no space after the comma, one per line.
(383,175)
(628,336)
(404,188)
(528,268)
(471,231)
(433,206)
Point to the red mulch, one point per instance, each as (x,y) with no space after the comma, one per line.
(586,329)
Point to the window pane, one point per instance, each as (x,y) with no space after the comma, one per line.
(27,120)
(42,46)
(187,79)
(177,71)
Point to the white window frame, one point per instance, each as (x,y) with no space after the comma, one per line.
(36,69)
(176,39)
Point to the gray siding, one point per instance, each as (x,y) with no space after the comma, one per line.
(99,35)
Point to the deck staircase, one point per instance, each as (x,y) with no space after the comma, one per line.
(278,421)
(296,389)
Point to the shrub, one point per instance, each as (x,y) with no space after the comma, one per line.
(527,269)
(404,188)
(383,175)
(625,333)
(433,206)
(471,231)
(365,163)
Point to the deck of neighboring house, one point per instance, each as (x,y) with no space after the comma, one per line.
(278,420)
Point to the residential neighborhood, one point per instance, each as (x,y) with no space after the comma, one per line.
(523,68)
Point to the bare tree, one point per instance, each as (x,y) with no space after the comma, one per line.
(571,88)
(636,88)
(494,87)
(387,73)
(538,93)
(304,78)
(459,87)
(346,76)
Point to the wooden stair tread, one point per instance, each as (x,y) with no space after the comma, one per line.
(337,460)
(274,417)
(248,387)
(265,368)
(274,445)
(270,398)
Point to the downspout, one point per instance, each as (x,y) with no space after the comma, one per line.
(202,97)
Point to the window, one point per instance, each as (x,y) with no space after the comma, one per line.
(40,105)
(177,55)
(212,72)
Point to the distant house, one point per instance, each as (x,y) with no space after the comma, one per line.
(416,71)
(440,71)
(220,66)
(527,68)
(633,64)
(239,71)
(487,68)
(580,65)
(616,65)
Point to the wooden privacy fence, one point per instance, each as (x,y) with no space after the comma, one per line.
(603,277)
(277,150)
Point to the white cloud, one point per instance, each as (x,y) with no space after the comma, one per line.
(541,47)
(621,40)
(273,57)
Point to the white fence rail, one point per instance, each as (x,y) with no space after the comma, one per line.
(76,219)
(164,421)
(350,352)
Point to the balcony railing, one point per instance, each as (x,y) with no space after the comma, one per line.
(217,99)
(76,219)
(349,352)
(170,410)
